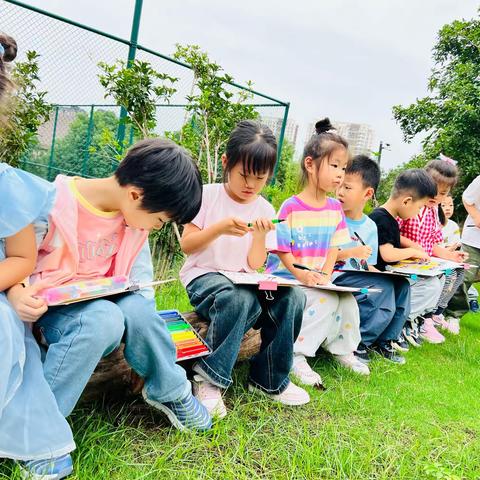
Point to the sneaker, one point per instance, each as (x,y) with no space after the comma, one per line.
(292,395)
(411,335)
(453,325)
(350,361)
(429,333)
(400,344)
(474,307)
(362,354)
(185,414)
(49,469)
(304,373)
(210,396)
(439,320)
(388,353)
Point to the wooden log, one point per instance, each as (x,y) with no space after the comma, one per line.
(113,377)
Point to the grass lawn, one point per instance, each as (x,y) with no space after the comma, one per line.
(417,421)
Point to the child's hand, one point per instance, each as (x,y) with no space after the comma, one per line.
(362,251)
(419,254)
(454,246)
(261,226)
(233,226)
(310,279)
(459,257)
(28,307)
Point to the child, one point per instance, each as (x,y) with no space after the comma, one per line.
(425,230)
(452,240)
(411,191)
(32,430)
(382,315)
(219,238)
(313,231)
(99,228)
(470,244)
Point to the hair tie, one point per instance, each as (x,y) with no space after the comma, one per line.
(2,50)
(449,160)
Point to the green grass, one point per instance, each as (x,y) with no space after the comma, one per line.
(417,421)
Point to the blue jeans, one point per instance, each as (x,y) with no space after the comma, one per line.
(231,311)
(79,335)
(382,315)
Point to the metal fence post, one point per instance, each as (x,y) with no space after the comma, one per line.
(88,141)
(131,57)
(52,147)
(280,142)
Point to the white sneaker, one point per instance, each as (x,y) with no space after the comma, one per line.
(292,395)
(304,373)
(350,361)
(210,396)
(453,325)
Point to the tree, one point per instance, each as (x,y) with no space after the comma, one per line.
(138,88)
(81,152)
(450,115)
(24,112)
(214,110)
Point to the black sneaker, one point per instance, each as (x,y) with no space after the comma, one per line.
(362,353)
(411,335)
(388,353)
(400,344)
(474,307)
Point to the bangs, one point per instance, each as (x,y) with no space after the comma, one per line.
(258,158)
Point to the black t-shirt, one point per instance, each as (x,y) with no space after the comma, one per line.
(388,232)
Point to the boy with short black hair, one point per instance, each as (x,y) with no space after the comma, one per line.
(99,228)
(411,191)
(382,315)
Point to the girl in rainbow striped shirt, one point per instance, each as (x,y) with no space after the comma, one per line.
(312,234)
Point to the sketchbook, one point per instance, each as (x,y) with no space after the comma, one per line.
(433,268)
(84,290)
(379,272)
(271,282)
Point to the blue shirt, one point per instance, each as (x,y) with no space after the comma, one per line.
(367,231)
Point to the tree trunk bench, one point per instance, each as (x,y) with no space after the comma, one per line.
(114,378)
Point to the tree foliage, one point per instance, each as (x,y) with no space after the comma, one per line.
(449,116)
(214,110)
(138,88)
(24,112)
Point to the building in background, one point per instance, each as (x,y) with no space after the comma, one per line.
(275,124)
(359,136)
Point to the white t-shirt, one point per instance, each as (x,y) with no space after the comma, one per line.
(471,195)
(451,233)
(226,252)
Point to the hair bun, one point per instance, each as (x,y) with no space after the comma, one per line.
(10,46)
(323,126)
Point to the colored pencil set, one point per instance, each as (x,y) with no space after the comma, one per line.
(187,341)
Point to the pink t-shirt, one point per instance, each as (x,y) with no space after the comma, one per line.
(226,252)
(99,237)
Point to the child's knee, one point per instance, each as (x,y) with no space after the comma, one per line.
(103,323)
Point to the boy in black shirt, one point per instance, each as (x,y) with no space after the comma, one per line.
(411,191)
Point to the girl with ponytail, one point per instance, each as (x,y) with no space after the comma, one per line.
(311,235)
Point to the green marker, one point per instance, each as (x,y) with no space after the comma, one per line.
(275,220)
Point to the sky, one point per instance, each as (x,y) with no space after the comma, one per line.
(350,60)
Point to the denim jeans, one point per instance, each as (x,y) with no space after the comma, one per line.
(231,311)
(79,335)
(382,315)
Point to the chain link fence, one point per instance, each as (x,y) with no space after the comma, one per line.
(70,142)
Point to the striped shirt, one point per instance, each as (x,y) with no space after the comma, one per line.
(308,234)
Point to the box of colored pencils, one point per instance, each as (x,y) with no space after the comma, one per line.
(188,342)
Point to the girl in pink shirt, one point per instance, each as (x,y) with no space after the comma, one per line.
(233,231)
